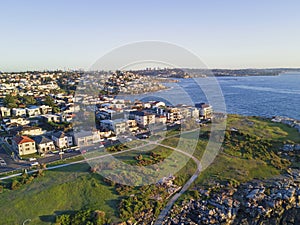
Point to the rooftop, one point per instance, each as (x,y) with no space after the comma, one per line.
(22,139)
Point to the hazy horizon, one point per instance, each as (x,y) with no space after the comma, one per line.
(39,35)
(86,70)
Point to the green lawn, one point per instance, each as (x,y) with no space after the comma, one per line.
(129,157)
(59,191)
(226,168)
(234,167)
(74,188)
(263,128)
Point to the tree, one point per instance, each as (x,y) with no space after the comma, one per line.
(56,109)
(29,100)
(10,101)
(49,101)
(87,217)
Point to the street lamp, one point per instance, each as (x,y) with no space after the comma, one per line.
(61,154)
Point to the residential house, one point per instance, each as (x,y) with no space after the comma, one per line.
(11,126)
(33,111)
(66,117)
(23,145)
(51,118)
(189,112)
(118,126)
(5,112)
(62,140)
(105,134)
(132,125)
(19,112)
(86,138)
(43,144)
(30,131)
(160,119)
(185,112)
(138,104)
(45,109)
(21,121)
(194,112)
(205,111)
(143,118)
(113,105)
(71,108)
(147,105)
(158,104)
(173,114)
(106,114)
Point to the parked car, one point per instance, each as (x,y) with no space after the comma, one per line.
(69,150)
(2,162)
(34,164)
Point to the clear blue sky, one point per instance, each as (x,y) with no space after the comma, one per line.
(223,33)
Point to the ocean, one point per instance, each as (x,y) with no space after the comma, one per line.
(252,95)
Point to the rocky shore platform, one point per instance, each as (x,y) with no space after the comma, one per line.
(272,201)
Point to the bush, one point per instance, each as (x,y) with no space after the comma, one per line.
(86,217)
(15,185)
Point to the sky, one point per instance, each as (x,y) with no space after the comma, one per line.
(71,34)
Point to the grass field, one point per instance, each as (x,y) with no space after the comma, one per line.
(232,166)
(74,188)
(59,191)
(226,168)
(263,128)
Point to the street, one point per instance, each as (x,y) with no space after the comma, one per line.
(10,163)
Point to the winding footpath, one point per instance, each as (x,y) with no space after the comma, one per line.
(170,203)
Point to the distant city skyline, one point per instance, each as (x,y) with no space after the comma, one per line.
(50,35)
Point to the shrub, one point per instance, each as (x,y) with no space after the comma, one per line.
(15,185)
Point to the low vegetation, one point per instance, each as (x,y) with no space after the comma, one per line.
(90,217)
(77,193)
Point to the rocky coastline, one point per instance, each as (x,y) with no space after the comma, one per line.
(273,201)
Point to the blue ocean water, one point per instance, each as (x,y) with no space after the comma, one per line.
(253,95)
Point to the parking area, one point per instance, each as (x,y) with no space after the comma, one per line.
(7,163)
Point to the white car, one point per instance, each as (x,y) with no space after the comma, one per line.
(34,164)
(2,162)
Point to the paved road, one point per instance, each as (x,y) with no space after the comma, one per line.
(22,164)
(11,164)
(16,165)
(77,162)
(56,157)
